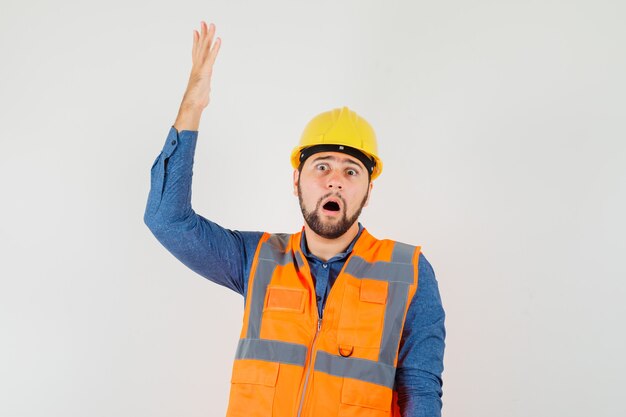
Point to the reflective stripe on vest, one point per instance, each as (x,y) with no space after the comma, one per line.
(272,254)
(271,350)
(356,368)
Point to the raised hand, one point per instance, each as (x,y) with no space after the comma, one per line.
(203,56)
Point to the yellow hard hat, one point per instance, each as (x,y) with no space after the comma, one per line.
(340,126)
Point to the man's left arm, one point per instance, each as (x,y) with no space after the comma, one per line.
(420,360)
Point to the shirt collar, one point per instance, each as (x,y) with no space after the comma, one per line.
(342,255)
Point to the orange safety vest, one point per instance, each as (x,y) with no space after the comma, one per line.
(290,363)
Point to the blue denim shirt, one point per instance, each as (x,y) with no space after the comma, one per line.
(225,257)
(325,272)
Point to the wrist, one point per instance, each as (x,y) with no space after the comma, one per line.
(188,117)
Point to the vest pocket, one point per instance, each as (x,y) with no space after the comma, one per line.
(362,313)
(363,399)
(252,389)
(285,299)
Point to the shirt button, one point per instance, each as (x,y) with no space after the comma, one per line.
(318,298)
(325,265)
(173,142)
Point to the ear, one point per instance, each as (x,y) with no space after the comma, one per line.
(296,176)
(369,193)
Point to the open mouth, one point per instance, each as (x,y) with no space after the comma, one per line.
(331,206)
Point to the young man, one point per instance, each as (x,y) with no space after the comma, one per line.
(336,322)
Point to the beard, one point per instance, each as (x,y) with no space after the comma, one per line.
(329,231)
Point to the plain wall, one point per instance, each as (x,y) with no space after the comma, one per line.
(501,127)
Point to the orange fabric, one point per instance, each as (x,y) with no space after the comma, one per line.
(285,299)
(353,326)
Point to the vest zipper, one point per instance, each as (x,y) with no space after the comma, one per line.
(309,366)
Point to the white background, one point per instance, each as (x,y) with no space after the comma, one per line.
(501,125)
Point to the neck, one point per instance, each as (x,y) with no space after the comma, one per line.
(324,248)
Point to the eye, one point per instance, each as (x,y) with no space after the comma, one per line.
(352,172)
(321,167)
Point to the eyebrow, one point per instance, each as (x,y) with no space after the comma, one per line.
(333,158)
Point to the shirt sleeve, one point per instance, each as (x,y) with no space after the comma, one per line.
(420,359)
(221,255)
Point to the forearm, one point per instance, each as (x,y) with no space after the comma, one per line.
(169,200)
(188,117)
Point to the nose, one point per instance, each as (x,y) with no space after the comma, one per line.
(334,181)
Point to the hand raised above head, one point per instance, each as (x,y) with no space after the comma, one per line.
(203,54)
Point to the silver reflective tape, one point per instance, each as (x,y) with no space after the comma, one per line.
(382,271)
(262,278)
(274,248)
(402,253)
(397,298)
(299,260)
(272,253)
(355,368)
(271,350)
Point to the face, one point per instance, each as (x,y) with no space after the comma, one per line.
(332,189)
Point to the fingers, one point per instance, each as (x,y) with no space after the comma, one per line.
(214,51)
(207,35)
(203,45)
